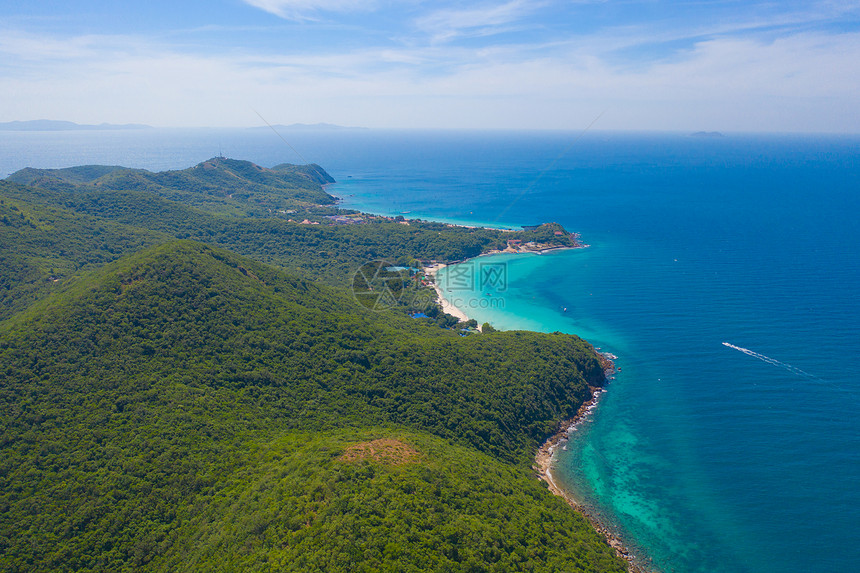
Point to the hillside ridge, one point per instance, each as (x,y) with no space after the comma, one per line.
(170,404)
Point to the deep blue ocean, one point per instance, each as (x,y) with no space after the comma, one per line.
(705,457)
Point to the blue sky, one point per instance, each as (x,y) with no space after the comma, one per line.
(648,64)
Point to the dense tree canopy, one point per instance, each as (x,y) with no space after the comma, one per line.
(205,203)
(170,405)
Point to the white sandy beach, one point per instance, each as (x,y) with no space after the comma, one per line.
(446,305)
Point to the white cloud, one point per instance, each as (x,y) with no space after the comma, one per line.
(805,82)
(481,20)
(306,9)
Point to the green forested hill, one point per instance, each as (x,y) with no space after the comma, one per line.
(184,310)
(41,245)
(167,404)
(194,204)
(185,409)
(219,185)
(48,234)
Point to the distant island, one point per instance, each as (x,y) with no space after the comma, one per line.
(707,134)
(56,125)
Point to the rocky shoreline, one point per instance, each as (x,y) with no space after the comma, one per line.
(545,454)
(545,458)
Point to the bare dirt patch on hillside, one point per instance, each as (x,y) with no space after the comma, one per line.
(383,450)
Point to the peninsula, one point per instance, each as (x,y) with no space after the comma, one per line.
(191,382)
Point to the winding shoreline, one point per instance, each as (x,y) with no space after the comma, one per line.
(546,455)
(545,460)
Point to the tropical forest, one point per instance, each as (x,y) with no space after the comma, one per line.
(188,382)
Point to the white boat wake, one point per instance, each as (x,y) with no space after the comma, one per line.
(773,361)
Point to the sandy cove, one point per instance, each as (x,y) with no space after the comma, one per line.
(446,305)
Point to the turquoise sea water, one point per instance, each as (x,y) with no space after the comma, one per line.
(705,457)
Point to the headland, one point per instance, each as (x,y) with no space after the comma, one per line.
(546,455)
